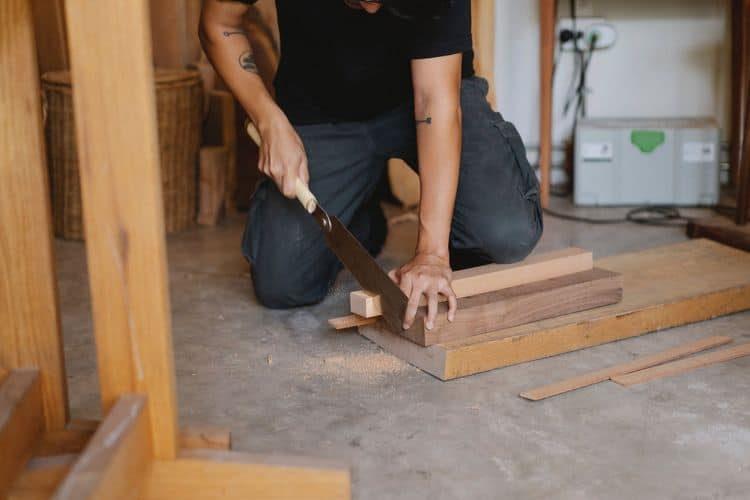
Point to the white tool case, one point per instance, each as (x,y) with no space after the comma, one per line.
(647,162)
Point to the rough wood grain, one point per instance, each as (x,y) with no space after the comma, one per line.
(116,459)
(492,277)
(639,363)
(21,423)
(30,335)
(683,365)
(211,474)
(123,209)
(214,161)
(663,287)
(523,304)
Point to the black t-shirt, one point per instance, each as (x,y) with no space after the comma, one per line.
(343,64)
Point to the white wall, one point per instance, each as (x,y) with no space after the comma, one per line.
(672,58)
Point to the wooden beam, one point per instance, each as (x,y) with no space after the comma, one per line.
(683,365)
(220,130)
(522,304)
(21,423)
(30,333)
(49,28)
(548,15)
(639,363)
(492,277)
(230,475)
(721,229)
(38,483)
(123,211)
(664,287)
(169,33)
(116,459)
(483,31)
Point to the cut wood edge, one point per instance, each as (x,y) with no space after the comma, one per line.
(683,365)
(493,277)
(351,321)
(207,474)
(115,461)
(640,363)
(21,422)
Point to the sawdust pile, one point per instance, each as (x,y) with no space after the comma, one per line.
(362,366)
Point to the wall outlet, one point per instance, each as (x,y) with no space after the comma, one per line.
(588,28)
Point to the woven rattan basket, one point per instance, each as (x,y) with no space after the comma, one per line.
(179,104)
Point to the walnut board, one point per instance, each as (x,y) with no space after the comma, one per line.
(663,287)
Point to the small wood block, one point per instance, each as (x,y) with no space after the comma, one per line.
(214,161)
(522,304)
(683,365)
(21,423)
(492,277)
(351,321)
(640,363)
(664,287)
(115,461)
(210,474)
(721,229)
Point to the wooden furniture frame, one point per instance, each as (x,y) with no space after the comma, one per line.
(137,450)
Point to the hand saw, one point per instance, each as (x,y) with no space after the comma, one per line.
(352,254)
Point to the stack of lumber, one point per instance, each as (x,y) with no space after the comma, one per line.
(499,296)
(664,287)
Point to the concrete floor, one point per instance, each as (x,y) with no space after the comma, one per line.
(285,383)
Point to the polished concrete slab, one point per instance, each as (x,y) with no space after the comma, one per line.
(285,383)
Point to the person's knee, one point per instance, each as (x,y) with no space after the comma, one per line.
(511,243)
(282,289)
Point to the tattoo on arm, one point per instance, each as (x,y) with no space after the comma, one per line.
(426,121)
(247,62)
(230,33)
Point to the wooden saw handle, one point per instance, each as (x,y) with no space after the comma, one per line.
(303,193)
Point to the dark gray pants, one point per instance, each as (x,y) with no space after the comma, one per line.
(497,217)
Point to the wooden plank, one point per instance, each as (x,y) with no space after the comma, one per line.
(169,33)
(21,423)
(492,277)
(212,179)
(483,33)
(30,335)
(639,363)
(721,229)
(663,287)
(123,211)
(683,365)
(351,321)
(220,130)
(231,475)
(522,304)
(116,459)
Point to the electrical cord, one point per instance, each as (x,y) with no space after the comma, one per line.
(649,215)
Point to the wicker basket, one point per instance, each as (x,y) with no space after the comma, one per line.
(179,101)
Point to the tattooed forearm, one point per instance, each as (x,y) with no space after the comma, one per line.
(247,62)
(426,121)
(230,33)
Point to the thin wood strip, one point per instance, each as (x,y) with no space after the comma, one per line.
(640,363)
(493,277)
(21,423)
(116,459)
(351,321)
(683,365)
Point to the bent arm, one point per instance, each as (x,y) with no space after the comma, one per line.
(228,48)
(437,109)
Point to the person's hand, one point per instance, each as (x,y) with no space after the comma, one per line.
(282,156)
(425,275)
